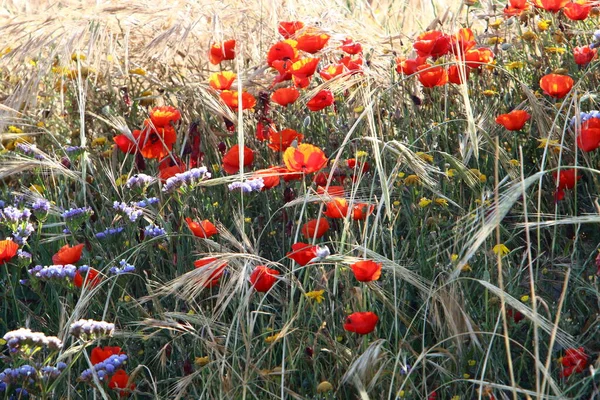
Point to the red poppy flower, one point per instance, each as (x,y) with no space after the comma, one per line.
(304,67)
(302,253)
(331,71)
(514,120)
(556,85)
(366,270)
(300,81)
(432,44)
(222,51)
(285,96)
(334,191)
(574,361)
(577,10)
(515,8)
(128,144)
(517,316)
(584,55)
(322,177)
(288,29)
(288,175)
(167,168)
(164,115)
(312,43)
(361,322)
(68,255)
(270,177)
(100,354)
(475,58)
(230,98)
(282,51)
(336,208)
(304,158)
(119,381)
(361,210)
(431,76)
(409,66)
(216,271)
(8,249)
(156,142)
(222,80)
(92,278)
(550,5)
(231,159)
(462,41)
(455,75)
(315,228)
(363,166)
(263,278)
(352,64)
(321,100)
(351,47)
(566,179)
(264,131)
(589,136)
(280,141)
(203,229)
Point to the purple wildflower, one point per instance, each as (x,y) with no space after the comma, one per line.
(87,329)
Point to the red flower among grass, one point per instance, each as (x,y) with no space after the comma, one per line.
(574,361)
(231,159)
(222,51)
(462,41)
(285,96)
(312,42)
(349,46)
(331,71)
(321,100)
(214,274)
(550,5)
(304,158)
(302,253)
(231,99)
(361,322)
(584,55)
(432,44)
(163,116)
(566,179)
(455,75)
(8,249)
(263,278)
(315,228)
(431,76)
(100,354)
(336,208)
(475,58)
(282,51)
(203,229)
(270,177)
(222,80)
(288,29)
(68,255)
(514,8)
(366,270)
(409,66)
(514,120)
(360,211)
(91,279)
(555,85)
(280,141)
(589,136)
(577,10)
(119,381)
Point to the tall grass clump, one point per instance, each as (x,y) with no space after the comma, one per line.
(388,200)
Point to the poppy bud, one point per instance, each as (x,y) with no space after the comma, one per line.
(222,147)
(289,194)
(66,162)
(309,352)
(140,163)
(187,367)
(229,125)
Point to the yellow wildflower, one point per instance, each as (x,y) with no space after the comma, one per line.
(272,338)
(544,24)
(555,50)
(529,36)
(100,141)
(272,233)
(40,124)
(514,163)
(496,24)
(455,398)
(490,93)
(515,65)
(454,257)
(138,71)
(396,203)
(324,387)
(106,154)
(316,295)
(247,220)
(358,109)
(495,40)
(401,393)
(36,188)
(216,167)
(5,51)
(78,56)
(424,202)
(146,98)
(472,363)
(525,298)
(14,129)
(216,204)
(339,338)
(548,142)
(401,175)
(201,361)
(466,376)
(425,157)
(361,154)
(451,173)
(466,268)
(412,180)
(441,202)
(126,298)
(121,180)
(501,249)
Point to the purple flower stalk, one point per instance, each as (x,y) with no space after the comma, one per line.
(140,181)
(87,329)
(40,206)
(109,232)
(153,231)
(147,202)
(186,179)
(249,186)
(53,272)
(124,268)
(76,213)
(132,213)
(584,116)
(24,375)
(105,369)
(22,233)
(25,339)
(13,215)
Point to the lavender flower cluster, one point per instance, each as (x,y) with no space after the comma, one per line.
(76,213)
(596,40)
(153,231)
(186,179)
(40,206)
(109,232)
(13,215)
(24,375)
(139,181)
(25,338)
(22,233)
(132,213)
(74,149)
(584,116)
(87,329)
(253,185)
(53,272)
(124,268)
(104,369)
(50,372)
(147,202)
